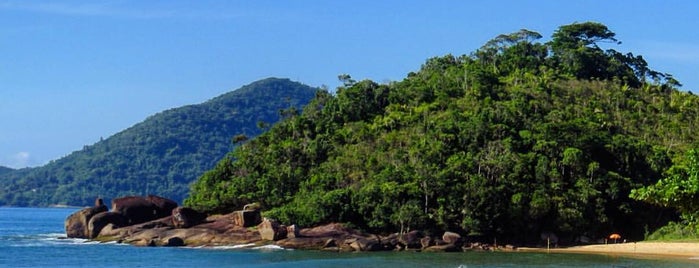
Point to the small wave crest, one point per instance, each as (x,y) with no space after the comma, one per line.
(250,246)
(47,239)
(269,247)
(241,246)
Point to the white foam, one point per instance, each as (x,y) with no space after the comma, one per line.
(269,247)
(226,247)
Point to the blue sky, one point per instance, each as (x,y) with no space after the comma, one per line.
(72,72)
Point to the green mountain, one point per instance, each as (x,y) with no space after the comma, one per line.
(161,155)
(4,170)
(515,139)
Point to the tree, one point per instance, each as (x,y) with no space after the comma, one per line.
(678,189)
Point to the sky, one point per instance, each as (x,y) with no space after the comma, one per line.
(73,72)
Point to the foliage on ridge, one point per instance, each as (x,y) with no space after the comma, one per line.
(517,138)
(161,155)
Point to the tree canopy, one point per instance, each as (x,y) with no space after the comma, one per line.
(515,139)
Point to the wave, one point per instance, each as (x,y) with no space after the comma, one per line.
(250,246)
(241,246)
(41,240)
(269,247)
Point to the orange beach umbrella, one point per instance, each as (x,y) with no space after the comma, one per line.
(615,237)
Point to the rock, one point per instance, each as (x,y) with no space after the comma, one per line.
(163,205)
(411,239)
(100,220)
(138,209)
(329,230)
(363,244)
(247,218)
(426,242)
(183,217)
(292,231)
(442,248)
(252,206)
(271,230)
(174,242)
(77,223)
(313,243)
(451,238)
(330,243)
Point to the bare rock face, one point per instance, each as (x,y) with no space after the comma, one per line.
(451,238)
(363,244)
(248,217)
(77,223)
(292,231)
(183,217)
(271,230)
(138,209)
(426,242)
(100,220)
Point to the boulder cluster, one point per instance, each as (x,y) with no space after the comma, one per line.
(157,221)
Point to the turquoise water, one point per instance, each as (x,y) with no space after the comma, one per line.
(34,237)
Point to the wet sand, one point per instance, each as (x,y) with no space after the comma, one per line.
(640,249)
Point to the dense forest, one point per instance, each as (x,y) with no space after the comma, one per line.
(161,155)
(517,138)
(5,170)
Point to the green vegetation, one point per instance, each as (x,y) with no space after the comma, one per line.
(675,232)
(678,189)
(4,170)
(161,155)
(517,138)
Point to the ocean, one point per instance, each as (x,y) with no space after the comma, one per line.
(35,237)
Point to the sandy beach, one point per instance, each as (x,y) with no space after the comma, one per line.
(639,249)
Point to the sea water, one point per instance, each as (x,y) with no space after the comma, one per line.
(35,237)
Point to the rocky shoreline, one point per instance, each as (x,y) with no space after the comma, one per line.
(156,221)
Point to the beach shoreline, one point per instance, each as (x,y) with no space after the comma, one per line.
(675,250)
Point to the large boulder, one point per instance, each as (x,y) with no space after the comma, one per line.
(164,206)
(271,230)
(247,218)
(363,244)
(183,217)
(77,223)
(138,209)
(100,220)
(451,238)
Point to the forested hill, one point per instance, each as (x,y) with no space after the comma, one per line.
(4,170)
(161,155)
(515,139)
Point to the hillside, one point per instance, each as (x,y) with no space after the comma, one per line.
(513,140)
(161,155)
(4,170)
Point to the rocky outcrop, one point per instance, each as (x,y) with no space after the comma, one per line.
(451,238)
(138,209)
(271,230)
(100,220)
(77,223)
(183,217)
(247,217)
(187,227)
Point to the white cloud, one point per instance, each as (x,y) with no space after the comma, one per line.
(17,160)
